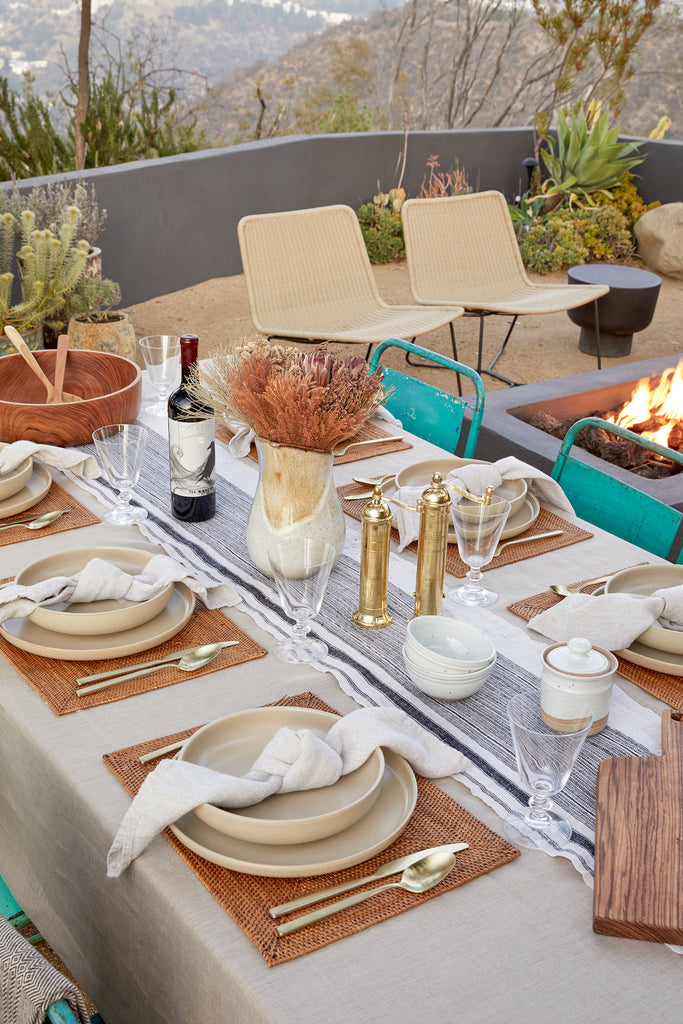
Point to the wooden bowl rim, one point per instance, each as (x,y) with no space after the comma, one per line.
(88,353)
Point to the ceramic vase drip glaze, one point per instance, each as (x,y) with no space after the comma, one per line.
(295,497)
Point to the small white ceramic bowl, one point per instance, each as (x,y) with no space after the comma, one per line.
(445,641)
(442,672)
(448,689)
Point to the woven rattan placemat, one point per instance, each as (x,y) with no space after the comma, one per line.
(437,819)
(367,432)
(546,522)
(661,685)
(56,498)
(55,680)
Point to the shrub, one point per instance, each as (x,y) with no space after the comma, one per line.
(570,237)
(438,183)
(380,223)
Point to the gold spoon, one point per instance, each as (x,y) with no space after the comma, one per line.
(419,877)
(378,481)
(557,588)
(190,662)
(36,522)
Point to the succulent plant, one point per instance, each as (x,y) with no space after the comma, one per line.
(583,161)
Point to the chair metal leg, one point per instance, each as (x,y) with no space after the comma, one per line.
(435,366)
(597,331)
(489,370)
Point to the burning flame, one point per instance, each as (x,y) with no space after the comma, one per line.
(660,406)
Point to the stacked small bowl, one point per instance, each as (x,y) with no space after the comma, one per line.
(447,659)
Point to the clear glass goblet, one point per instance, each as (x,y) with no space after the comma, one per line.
(120,447)
(477,529)
(545,758)
(301,568)
(161,353)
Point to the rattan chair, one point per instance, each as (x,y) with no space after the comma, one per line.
(437,416)
(463,249)
(308,276)
(615,506)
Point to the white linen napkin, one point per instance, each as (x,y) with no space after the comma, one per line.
(475,479)
(612,621)
(100,581)
(382,413)
(48,455)
(291,761)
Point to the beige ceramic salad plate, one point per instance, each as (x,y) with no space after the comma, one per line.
(232,744)
(33,491)
(384,822)
(95,618)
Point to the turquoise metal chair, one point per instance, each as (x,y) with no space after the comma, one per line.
(615,506)
(434,415)
(59,1012)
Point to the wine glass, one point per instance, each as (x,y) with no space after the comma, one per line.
(301,568)
(120,446)
(161,353)
(477,529)
(545,758)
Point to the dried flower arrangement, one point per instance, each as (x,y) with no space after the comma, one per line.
(310,400)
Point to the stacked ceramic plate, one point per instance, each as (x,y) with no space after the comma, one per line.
(23,487)
(524,507)
(657,648)
(302,833)
(447,659)
(99,629)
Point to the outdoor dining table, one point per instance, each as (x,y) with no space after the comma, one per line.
(152,946)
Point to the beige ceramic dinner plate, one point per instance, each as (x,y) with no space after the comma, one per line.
(94,618)
(28,636)
(16,479)
(647,657)
(419,473)
(37,486)
(517,522)
(232,744)
(645,579)
(384,822)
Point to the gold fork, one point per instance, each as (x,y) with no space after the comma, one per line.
(152,755)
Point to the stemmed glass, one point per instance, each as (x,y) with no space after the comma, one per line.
(161,353)
(545,758)
(477,529)
(120,446)
(301,568)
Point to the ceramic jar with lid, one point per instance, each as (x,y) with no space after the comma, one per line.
(580,670)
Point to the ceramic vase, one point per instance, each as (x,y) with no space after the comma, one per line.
(295,497)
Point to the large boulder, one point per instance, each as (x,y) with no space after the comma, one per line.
(659,233)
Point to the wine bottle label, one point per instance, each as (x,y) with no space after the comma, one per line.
(193,457)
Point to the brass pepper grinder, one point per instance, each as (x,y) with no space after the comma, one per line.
(434,507)
(374,564)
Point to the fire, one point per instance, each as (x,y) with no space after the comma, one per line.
(654,410)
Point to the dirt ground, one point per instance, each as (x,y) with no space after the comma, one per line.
(540,348)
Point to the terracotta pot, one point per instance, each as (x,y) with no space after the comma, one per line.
(295,497)
(116,335)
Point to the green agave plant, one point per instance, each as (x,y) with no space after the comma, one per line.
(583,161)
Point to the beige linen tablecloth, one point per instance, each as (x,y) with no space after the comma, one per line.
(153,947)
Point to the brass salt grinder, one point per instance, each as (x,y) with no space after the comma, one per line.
(376,520)
(434,507)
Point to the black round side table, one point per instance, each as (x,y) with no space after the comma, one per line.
(628,307)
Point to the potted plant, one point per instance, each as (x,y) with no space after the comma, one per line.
(46,267)
(92,322)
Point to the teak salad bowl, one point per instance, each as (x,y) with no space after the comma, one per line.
(110,386)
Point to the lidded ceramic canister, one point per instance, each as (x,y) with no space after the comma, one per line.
(580,670)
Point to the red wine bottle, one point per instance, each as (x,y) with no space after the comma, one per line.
(192,445)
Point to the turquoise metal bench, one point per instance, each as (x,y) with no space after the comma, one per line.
(434,415)
(616,506)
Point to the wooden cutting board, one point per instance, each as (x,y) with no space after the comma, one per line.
(639,842)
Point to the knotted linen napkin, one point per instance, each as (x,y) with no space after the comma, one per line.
(48,455)
(29,984)
(475,479)
(612,621)
(101,581)
(291,761)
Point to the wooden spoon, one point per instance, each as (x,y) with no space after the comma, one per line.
(24,351)
(60,366)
